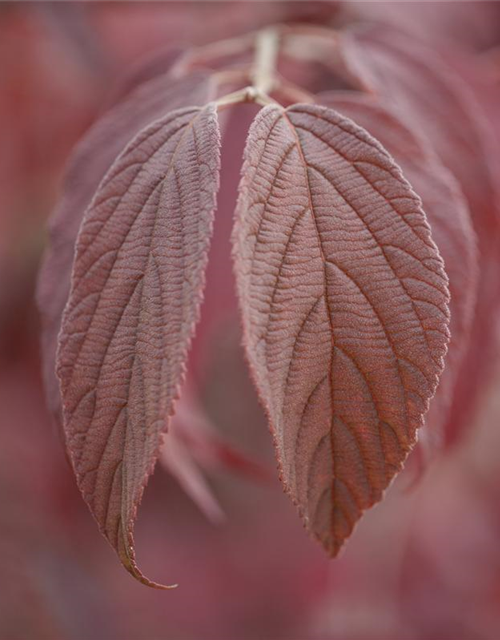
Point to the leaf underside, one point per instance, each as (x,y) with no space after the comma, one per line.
(344,304)
(135,294)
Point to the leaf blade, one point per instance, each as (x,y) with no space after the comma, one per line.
(343,417)
(135,296)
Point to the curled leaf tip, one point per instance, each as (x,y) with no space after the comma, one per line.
(136,290)
(140,577)
(126,553)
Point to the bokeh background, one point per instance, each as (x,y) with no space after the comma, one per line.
(423,565)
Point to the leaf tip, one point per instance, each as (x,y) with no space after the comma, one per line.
(136,573)
(126,553)
(332,543)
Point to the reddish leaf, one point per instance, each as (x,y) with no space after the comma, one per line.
(140,105)
(135,295)
(452,230)
(344,303)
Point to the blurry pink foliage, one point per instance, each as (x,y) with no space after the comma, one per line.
(422,565)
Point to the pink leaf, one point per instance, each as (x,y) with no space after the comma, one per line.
(135,295)
(451,227)
(344,304)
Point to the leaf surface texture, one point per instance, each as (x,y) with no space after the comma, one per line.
(135,294)
(344,303)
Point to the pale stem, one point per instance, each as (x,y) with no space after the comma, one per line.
(248,94)
(263,76)
(266,56)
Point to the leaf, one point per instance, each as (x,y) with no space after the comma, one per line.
(451,227)
(91,160)
(141,103)
(344,304)
(135,295)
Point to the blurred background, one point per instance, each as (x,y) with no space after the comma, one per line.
(423,565)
